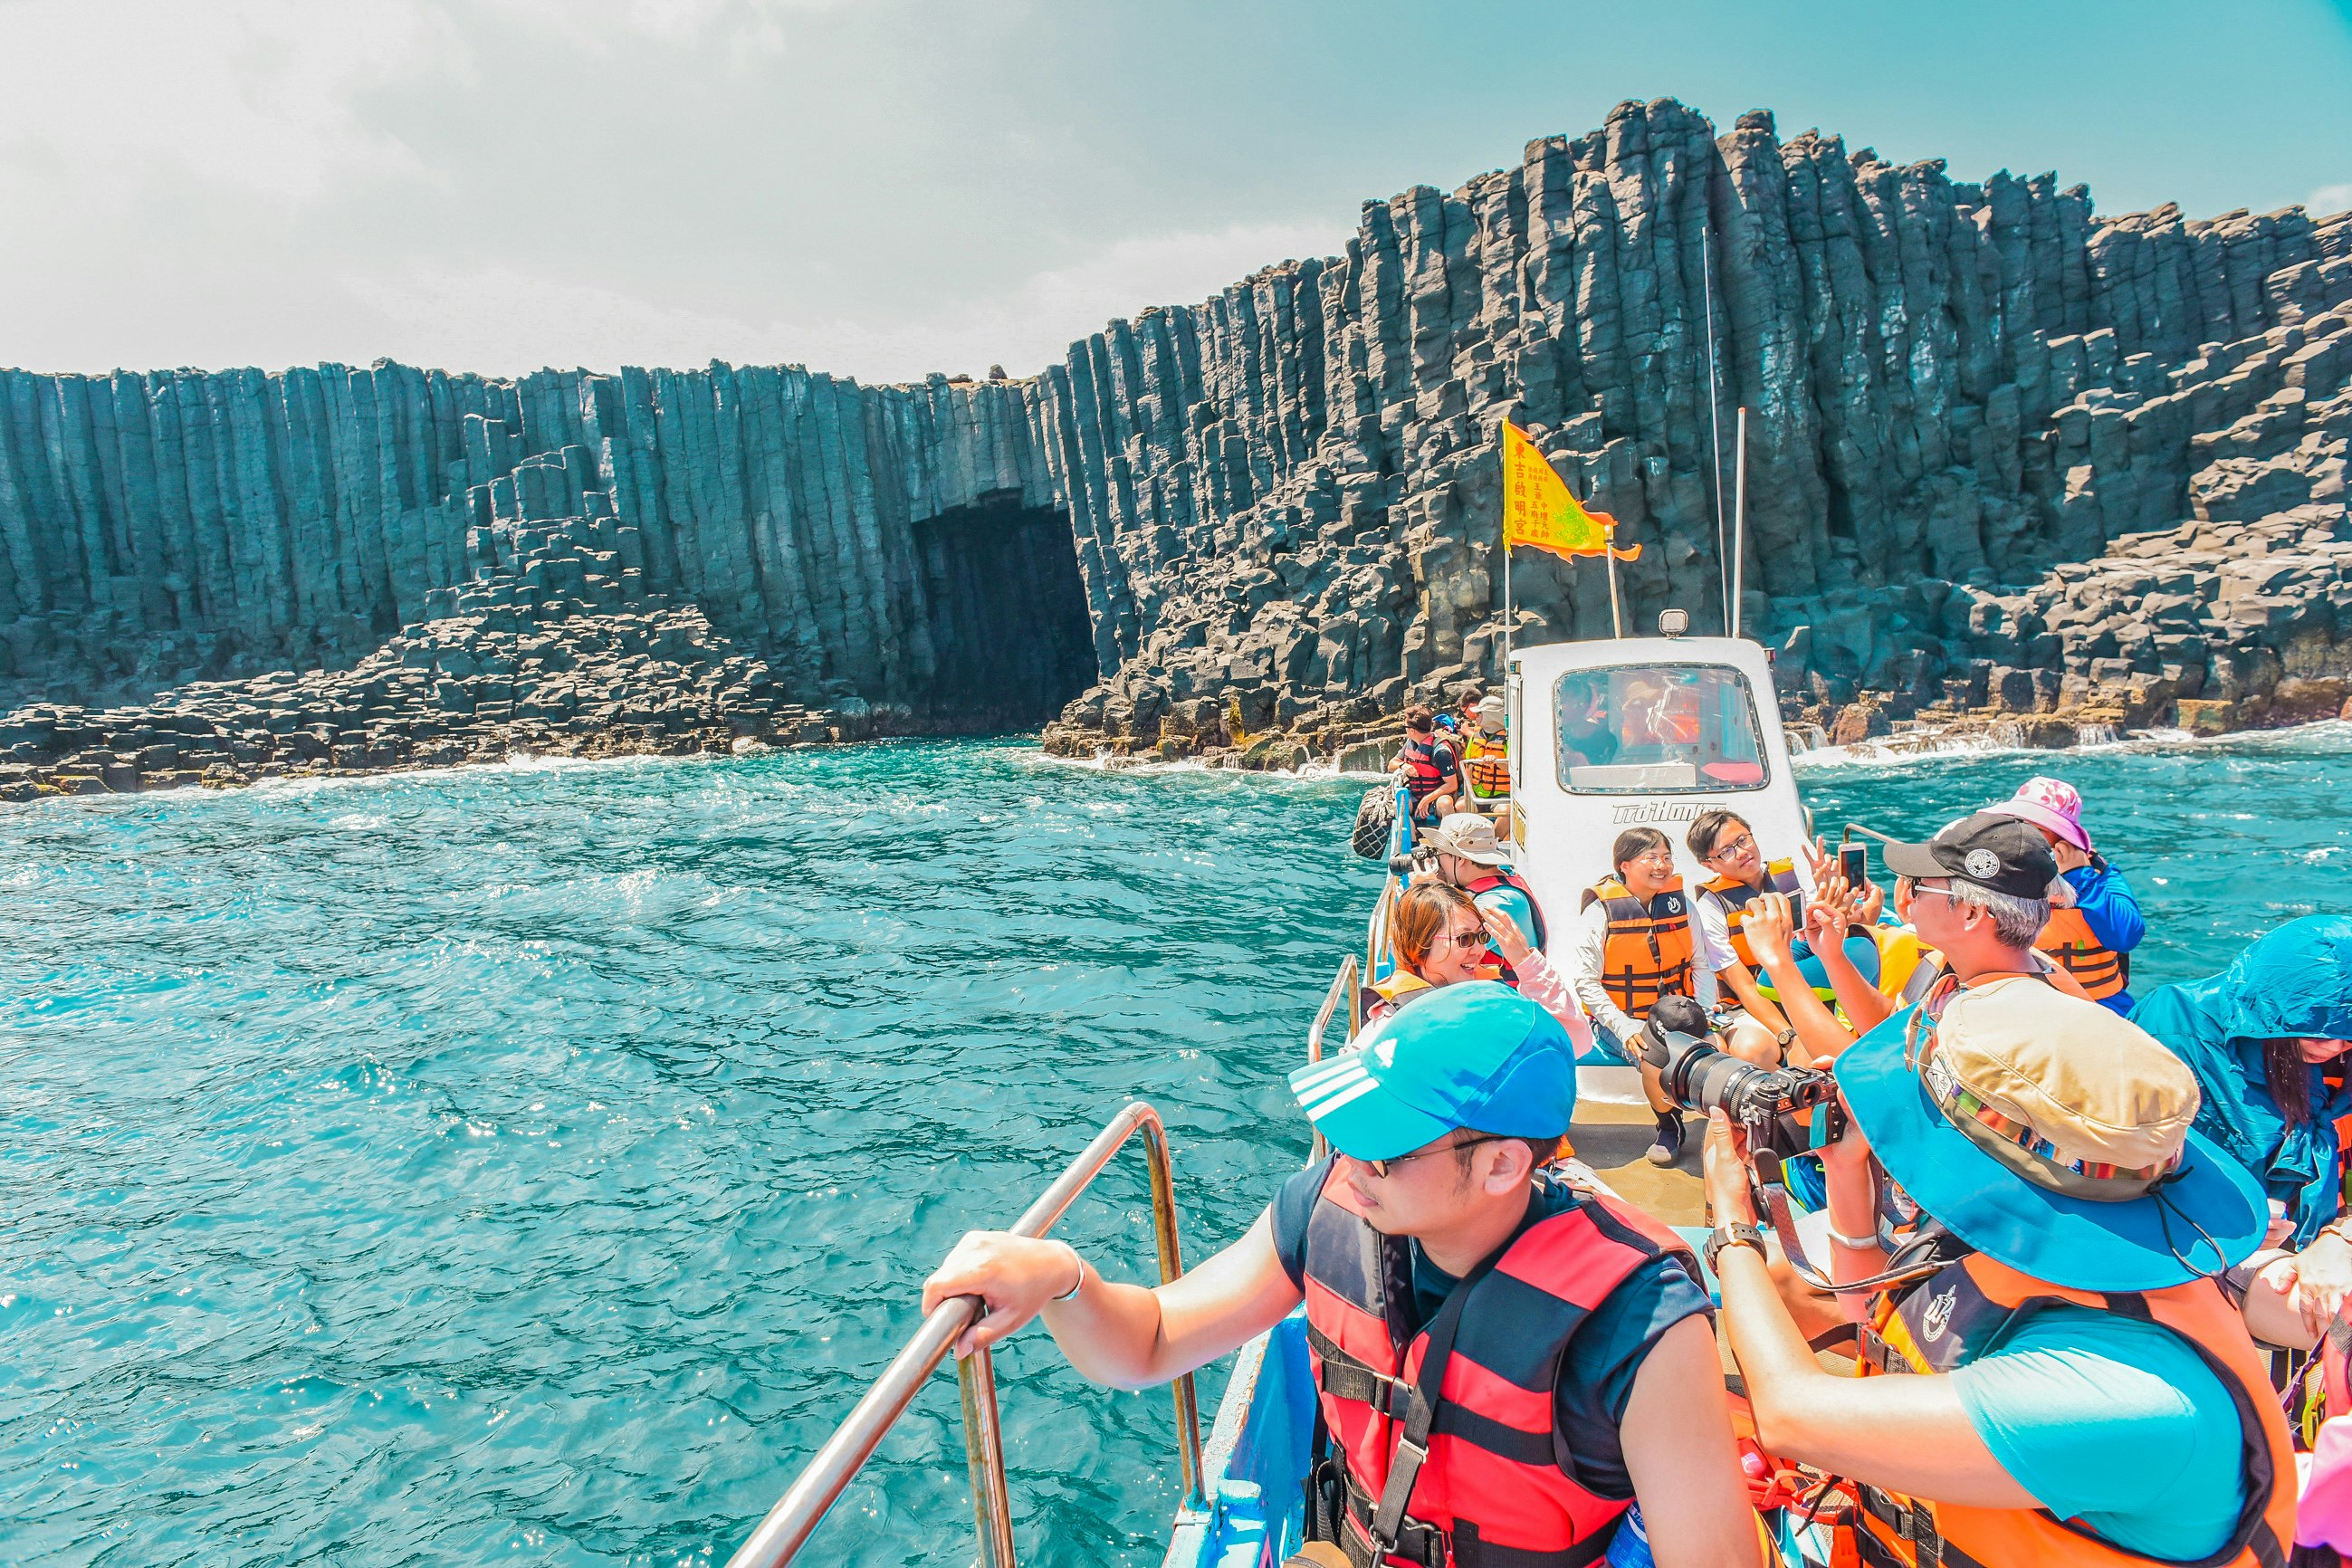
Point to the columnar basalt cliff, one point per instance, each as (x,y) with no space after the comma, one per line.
(2004,457)
(1955,390)
(181,523)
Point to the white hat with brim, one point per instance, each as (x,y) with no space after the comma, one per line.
(1470,836)
(2014,1120)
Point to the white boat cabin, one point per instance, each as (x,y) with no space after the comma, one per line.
(1641,732)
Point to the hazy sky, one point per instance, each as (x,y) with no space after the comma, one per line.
(887,187)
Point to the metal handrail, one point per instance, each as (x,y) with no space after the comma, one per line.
(790,1523)
(1345,986)
(1348,986)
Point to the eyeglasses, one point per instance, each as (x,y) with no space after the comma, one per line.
(1662,857)
(1918,887)
(1739,845)
(1381,1168)
(1464,939)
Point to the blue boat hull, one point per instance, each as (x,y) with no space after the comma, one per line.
(1254,1466)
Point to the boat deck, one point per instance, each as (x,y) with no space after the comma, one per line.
(1611,1138)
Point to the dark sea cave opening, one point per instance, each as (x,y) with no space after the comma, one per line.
(1008,613)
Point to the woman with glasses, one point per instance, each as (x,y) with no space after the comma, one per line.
(1440,937)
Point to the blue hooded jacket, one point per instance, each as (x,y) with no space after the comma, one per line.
(2296,982)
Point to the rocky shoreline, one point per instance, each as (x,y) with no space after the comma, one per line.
(553,650)
(2010,461)
(2238,617)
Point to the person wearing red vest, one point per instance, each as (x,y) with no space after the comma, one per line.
(1505,1362)
(2078,1390)
(1430,763)
(1467,854)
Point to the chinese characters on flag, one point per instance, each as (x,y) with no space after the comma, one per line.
(1540,509)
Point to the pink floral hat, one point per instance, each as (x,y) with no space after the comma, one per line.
(2051,805)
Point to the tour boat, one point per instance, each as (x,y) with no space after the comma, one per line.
(1694,724)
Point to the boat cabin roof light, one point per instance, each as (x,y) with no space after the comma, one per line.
(1673,623)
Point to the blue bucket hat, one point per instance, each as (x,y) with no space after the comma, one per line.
(2055,1137)
(1475,1055)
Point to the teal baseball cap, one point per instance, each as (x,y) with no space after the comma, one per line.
(1475,1055)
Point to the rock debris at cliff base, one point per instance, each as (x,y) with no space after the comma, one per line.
(2008,460)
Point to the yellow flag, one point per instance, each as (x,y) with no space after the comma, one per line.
(1540,509)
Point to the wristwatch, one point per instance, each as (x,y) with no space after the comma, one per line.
(1725,1236)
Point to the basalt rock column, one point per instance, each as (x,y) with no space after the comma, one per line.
(1286,499)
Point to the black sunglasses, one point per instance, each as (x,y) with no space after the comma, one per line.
(1381,1168)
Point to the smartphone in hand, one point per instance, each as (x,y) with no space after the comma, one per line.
(1853,865)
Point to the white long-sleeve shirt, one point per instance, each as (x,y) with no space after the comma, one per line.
(1585,975)
(1542,985)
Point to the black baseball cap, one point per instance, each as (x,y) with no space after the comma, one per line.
(1991,850)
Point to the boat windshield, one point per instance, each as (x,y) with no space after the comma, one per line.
(1658,728)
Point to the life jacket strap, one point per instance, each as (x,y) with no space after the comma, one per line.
(1343,1376)
(1423,1397)
(1421,1541)
(1417,1541)
(1912,1523)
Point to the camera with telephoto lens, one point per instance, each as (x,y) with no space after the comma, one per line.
(1700,1075)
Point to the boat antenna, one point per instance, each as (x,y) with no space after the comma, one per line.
(1616,607)
(1715,408)
(1739,520)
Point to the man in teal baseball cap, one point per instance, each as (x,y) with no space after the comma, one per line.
(1501,1355)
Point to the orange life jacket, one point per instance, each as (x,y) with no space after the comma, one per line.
(1486,764)
(1392,993)
(1944,1321)
(1647,953)
(1735,896)
(1677,722)
(2099,970)
(1491,1482)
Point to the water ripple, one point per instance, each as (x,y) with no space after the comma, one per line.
(532,1163)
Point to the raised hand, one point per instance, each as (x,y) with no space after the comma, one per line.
(1770,927)
(1826,916)
(1509,940)
(1818,859)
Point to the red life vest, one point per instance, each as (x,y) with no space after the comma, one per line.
(1780,877)
(1423,776)
(1493,1477)
(1939,1324)
(1504,876)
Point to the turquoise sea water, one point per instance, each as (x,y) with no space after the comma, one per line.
(532,1164)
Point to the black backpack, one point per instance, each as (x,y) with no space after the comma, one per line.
(1374,818)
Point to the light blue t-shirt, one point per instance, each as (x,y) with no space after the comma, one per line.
(2117,1424)
(1514,903)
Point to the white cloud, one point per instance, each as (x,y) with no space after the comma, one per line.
(98,96)
(502,321)
(748,26)
(2329,199)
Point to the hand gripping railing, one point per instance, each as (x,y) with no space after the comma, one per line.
(794,1518)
